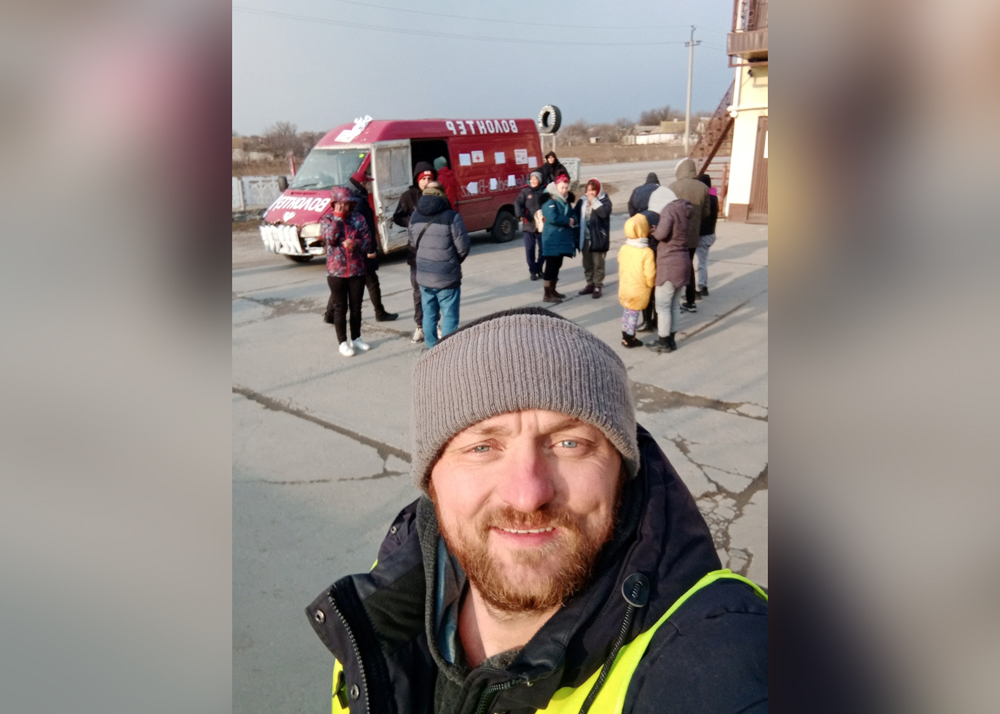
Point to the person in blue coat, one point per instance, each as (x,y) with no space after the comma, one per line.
(558,234)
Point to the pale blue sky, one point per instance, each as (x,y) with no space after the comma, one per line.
(319,63)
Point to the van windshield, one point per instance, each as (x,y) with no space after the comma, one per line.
(326,168)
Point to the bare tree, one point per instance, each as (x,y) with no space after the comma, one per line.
(282,137)
(575,133)
(655,116)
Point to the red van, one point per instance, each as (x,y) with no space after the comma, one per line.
(491,158)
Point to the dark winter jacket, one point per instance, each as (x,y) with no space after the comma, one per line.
(408,201)
(347,242)
(550,172)
(691,189)
(710,655)
(599,223)
(444,245)
(362,206)
(528,202)
(673,261)
(558,238)
(639,200)
(708,224)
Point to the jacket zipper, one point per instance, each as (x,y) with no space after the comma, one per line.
(490,693)
(357,650)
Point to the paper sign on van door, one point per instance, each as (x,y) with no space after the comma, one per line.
(520,156)
(477,157)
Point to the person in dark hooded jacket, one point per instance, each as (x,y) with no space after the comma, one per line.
(554,559)
(552,168)
(439,244)
(594,213)
(639,200)
(360,180)
(423,174)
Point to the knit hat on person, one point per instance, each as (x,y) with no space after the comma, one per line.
(422,168)
(525,358)
(652,178)
(339,194)
(537,175)
(562,178)
(637,227)
(439,163)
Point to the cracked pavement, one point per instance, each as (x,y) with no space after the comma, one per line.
(321,443)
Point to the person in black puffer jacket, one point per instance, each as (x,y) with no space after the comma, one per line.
(639,200)
(423,173)
(439,244)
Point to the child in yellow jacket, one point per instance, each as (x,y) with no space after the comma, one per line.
(636,275)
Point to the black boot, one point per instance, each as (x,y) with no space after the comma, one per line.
(556,293)
(672,342)
(660,344)
(630,340)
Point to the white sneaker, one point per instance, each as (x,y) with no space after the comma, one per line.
(346,349)
(418,335)
(360,345)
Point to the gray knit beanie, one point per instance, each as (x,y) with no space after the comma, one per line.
(527,358)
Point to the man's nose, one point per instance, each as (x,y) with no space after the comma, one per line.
(529,483)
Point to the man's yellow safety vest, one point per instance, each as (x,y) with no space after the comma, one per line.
(611,698)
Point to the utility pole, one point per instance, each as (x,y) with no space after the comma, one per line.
(687,115)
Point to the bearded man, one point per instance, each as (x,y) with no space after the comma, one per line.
(555,562)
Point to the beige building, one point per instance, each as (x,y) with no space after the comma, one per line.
(746,197)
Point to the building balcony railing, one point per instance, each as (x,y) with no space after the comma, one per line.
(748,39)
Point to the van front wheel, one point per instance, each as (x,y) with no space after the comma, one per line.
(505,227)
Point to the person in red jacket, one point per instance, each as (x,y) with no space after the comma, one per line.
(446,177)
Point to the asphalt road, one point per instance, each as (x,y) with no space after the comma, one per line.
(321,442)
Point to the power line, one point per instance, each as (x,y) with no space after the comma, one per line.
(510,22)
(429,33)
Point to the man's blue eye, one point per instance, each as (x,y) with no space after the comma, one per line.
(569,443)
(481,448)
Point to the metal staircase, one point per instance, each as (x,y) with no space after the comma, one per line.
(715,144)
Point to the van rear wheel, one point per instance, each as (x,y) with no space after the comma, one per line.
(300,258)
(505,227)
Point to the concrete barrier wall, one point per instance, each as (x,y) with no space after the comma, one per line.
(255,192)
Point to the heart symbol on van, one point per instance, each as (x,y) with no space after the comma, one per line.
(288,215)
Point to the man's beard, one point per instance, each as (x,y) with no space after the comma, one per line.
(579,553)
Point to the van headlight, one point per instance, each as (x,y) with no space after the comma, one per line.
(310,230)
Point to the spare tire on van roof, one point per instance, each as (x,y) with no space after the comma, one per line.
(549,119)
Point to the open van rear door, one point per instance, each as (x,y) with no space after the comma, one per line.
(392,177)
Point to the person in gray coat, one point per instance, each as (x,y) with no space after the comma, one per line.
(439,243)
